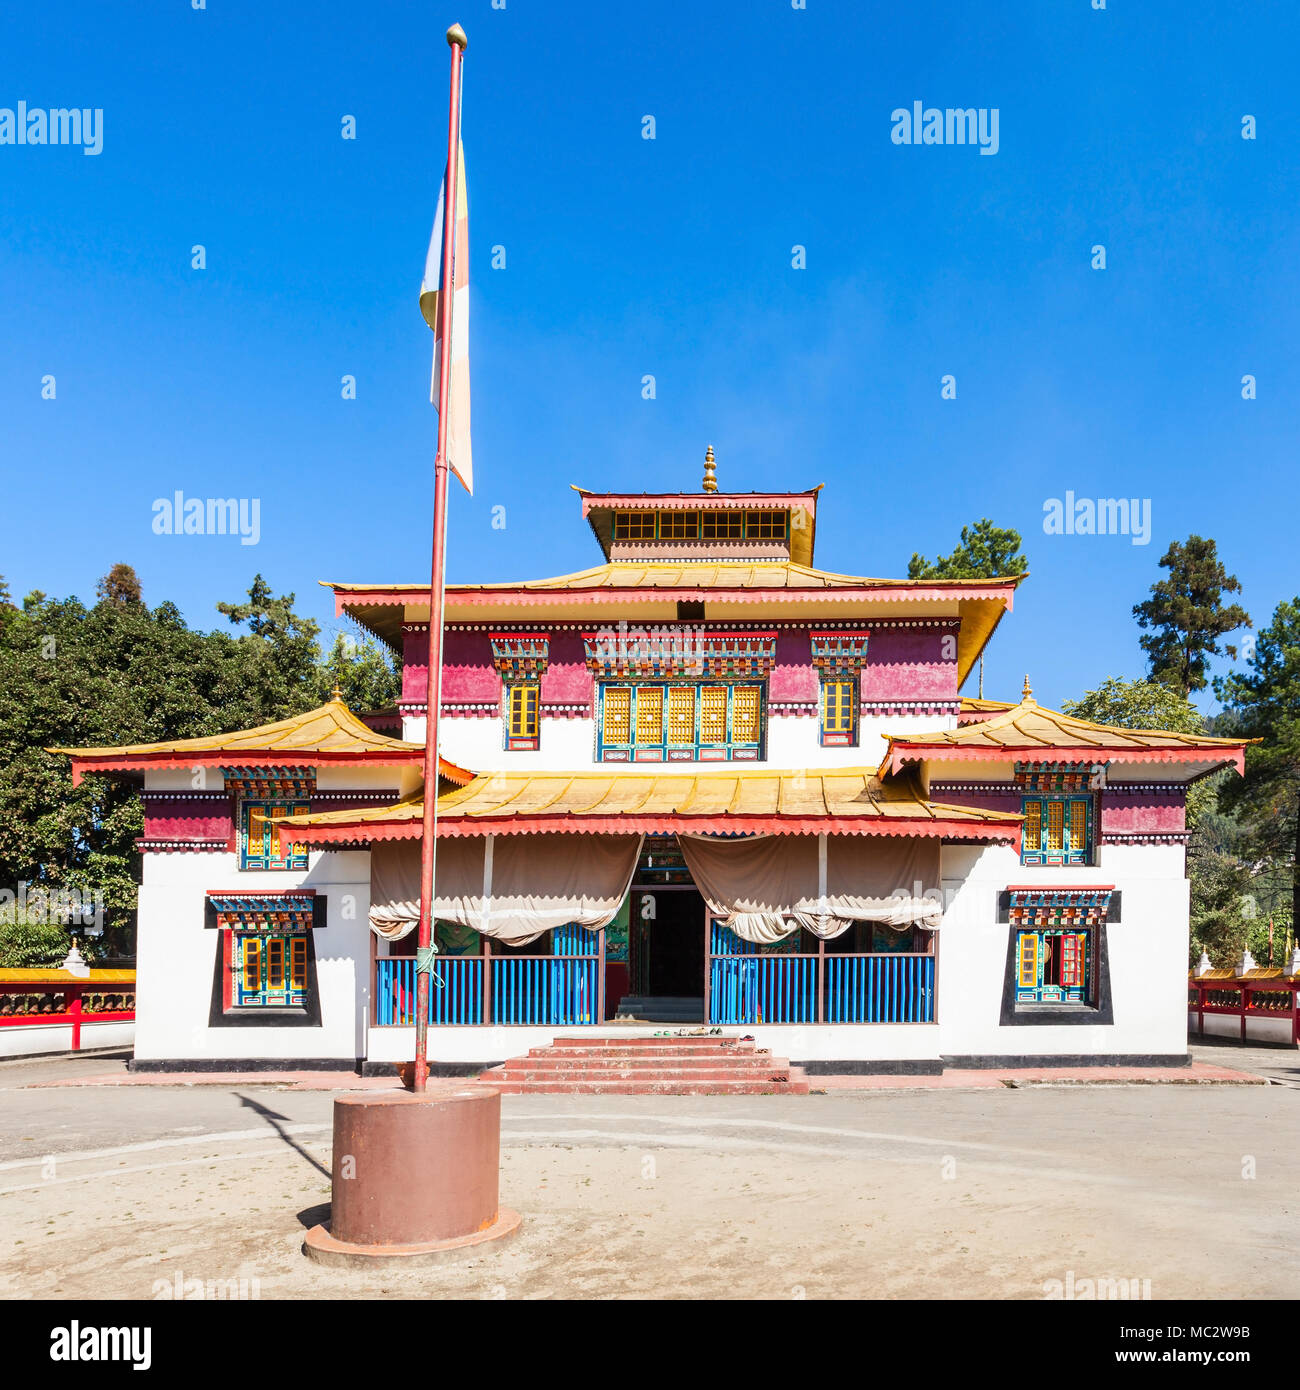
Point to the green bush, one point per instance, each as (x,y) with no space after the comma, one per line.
(24,944)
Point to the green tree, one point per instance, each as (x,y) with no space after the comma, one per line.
(279,648)
(24,944)
(1185,616)
(120,585)
(986,551)
(362,671)
(1137,704)
(121,672)
(1147,704)
(1264,703)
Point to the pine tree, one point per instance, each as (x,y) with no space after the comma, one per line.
(1265,704)
(1186,615)
(986,552)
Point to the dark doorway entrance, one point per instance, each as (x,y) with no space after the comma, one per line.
(666,940)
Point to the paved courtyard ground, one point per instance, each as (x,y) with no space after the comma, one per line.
(117,1192)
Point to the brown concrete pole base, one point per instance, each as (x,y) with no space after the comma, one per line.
(415,1177)
(321,1247)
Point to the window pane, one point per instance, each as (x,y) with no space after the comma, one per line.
(1079,826)
(837,707)
(722,525)
(1028,960)
(650,714)
(252,964)
(618,715)
(744,714)
(299,963)
(681,714)
(679,526)
(523,711)
(765,525)
(713,714)
(1072,947)
(256,831)
(1055,826)
(1033,826)
(634,526)
(275,963)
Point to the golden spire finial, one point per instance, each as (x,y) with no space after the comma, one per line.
(337,692)
(710,471)
(1026,693)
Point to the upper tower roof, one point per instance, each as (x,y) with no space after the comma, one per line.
(704,525)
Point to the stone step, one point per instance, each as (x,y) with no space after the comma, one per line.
(667,1001)
(603,1074)
(650,1053)
(795,1086)
(707,1040)
(644,1066)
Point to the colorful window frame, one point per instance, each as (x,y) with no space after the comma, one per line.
(270,969)
(523,715)
(666,721)
(1058,830)
(1054,966)
(261,844)
(839,711)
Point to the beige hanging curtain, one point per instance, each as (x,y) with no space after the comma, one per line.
(509,887)
(768,886)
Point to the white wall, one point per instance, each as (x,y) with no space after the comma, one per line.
(176,955)
(867,1042)
(23,1040)
(1147,954)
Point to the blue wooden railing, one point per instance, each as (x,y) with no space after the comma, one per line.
(562,988)
(749,986)
(892,988)
(746,986)
(544,989)
(455,990)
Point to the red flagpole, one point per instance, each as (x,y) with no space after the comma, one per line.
(458,42)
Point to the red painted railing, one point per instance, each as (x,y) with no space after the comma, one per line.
(36,998)
(1245,997)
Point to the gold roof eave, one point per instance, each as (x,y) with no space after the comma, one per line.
(833,801)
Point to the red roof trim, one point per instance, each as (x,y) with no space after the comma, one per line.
(1001,832)
(692,501)
(901,753)
(303,757)
(471,595)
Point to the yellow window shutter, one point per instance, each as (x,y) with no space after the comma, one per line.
(650,714)
(744,714)
(618,715)
(1028,960)
(681,714)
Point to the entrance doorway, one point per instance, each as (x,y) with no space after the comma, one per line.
(665,938)
(667,943)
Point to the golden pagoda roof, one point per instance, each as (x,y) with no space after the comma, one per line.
(693,574)
(768,587)
(1029,732)
(330,734)
(841,801)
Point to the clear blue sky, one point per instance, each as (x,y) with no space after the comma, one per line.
(669,257)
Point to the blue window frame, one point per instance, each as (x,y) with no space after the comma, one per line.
(1053,967)
(839,711)
(1058,830)
(270,969)
(681,721)
(261,844)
